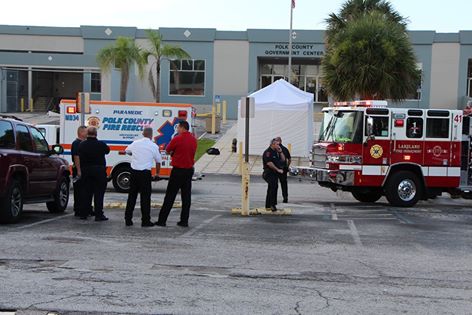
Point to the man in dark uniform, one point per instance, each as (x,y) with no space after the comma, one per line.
(273,158)
(182,149)
(93,166)
(76,172)
(285,166)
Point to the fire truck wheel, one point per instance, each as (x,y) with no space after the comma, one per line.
(369,197)
(121,179)
(403,189)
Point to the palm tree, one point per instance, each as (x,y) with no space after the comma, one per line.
(159,51)
(369,55)
(353,9)
(123,54)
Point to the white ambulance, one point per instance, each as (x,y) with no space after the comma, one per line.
(119,124)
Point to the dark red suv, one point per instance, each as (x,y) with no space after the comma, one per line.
(30,172)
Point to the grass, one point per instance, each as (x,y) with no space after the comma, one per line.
(203,146)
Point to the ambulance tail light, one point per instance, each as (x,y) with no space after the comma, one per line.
(183,114)
(71,110)
(399,122)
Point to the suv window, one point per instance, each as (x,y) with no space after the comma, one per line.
(24,139)
(7,139)
(40,143)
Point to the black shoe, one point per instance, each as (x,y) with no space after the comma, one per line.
(128,222)
(76,214)
(159,223)
(182,224)
(285,201)
(101,218)
(83,218)
(273,208)
(92,214)
(147,224)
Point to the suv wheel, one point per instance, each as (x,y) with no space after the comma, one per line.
(61,198)
(122,179)
(12,203)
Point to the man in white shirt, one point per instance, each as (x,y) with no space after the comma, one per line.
(144,154)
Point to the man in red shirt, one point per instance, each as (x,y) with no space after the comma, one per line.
(182,150)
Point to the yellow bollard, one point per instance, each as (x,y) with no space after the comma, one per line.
(218,108)
(31,105)
(225,108)
(289,147)
(240,158)
(22,104)
(213,119)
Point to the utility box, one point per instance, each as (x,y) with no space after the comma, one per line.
(217,124)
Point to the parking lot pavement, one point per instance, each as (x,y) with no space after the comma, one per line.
(333,255)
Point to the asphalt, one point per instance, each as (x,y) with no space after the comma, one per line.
(333,255)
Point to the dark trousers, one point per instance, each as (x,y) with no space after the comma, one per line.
(77,192)
(180,178)
(140,184)
(283,184)
(94,185)
(273,183)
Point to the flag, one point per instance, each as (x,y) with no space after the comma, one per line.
(293,4)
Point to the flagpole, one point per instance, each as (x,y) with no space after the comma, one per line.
(290,45)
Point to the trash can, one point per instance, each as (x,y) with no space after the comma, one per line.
(217,124)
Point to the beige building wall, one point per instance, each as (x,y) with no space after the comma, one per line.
(444,75)
(231,65)
(39,43)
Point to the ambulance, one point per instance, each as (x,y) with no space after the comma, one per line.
(404,154)
(119,124)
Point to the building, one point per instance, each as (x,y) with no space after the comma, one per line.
(49,63)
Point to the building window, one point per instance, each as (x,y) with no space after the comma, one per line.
(187,77)
(437,128)
(414,128)
(96,83)
(305,77)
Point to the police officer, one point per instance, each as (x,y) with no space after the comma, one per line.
(93,166)
(273,158)
(76,171)
(285,166)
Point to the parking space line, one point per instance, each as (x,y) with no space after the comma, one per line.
(354,233)
(334,215)
(44,221)
(200,226)
(401,217)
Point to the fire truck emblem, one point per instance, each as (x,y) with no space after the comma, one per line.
(437,151)
(376,151)
(93,121)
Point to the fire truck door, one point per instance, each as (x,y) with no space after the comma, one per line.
(407,144)
(377,144)
(438,140)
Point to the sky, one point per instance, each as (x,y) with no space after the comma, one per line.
(237,15)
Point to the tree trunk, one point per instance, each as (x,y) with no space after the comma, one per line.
(124,82)
(158,81)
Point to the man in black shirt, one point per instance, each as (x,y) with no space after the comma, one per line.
(272,159)
(93,166)
(76,172)
(285,166)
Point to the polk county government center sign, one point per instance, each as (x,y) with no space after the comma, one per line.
(307,50)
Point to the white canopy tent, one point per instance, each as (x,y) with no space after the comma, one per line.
(282,110)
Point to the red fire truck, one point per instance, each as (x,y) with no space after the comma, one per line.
(403,154)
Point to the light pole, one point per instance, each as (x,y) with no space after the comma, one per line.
(291,35)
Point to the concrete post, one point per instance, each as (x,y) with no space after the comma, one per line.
(30,89)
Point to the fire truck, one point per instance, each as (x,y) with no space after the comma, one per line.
(404,154)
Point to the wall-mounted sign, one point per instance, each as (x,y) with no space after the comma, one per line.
(298,50)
